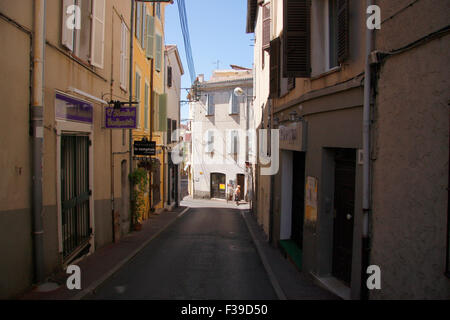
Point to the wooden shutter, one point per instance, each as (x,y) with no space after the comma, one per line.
(138,98)
(290,83)
(98,33)
(150,45)
(266,26)
(210,142)
(67,34)
(210,105)
(163,112)
(174,128)
(169,76)
(158,52)
(343,30)
(124,57)
(155,112)
(146,115)
(169,130)
(275,68)
(297,44)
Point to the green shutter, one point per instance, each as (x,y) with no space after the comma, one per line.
(150,42)
(155,108)
(158,52)
(146,115)
(163,112)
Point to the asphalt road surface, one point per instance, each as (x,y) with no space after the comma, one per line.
(206,254)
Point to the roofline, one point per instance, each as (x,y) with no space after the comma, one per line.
(173,47)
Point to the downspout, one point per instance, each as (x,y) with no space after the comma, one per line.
(37,119)
(114,237)
(366,162)
(130,140)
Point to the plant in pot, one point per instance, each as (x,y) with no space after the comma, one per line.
(139,181)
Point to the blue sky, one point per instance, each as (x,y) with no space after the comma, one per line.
(217,31)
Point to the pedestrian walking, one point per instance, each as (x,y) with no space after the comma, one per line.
(237,194)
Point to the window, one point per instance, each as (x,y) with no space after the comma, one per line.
(275,46)
(210,107)
(158,57)
(162,112)
(266,26)
(155,112)
(296,47)
(158,10)
(138,98)
(83,29)
(233,143)
(234,104)
(146,114)
(138,27)
(143,39)
(169,76)
(150,40)
(210,142)
(174,128)
(124,57)
(169,130)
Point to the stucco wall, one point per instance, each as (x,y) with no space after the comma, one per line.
(410,174)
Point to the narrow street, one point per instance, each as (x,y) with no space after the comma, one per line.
(206,254)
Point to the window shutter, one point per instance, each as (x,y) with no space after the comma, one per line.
(291,83)
(158,52)
(67,33)
(266,26)
(297,44)
(343,30)
(138,98)
(230,142)
(210,105)
(144,27)
(275,68)
(150,46)
(169,130)
(169,76)
(124,57)
(174,128)
(155,112)
(98,34)
(210,142)
(163,112)
(146,115)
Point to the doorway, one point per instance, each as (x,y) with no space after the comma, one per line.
(240,181)
(344,207)
(298,198)
(218,185)
(75,194)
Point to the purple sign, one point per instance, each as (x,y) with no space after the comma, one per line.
(123,118)
(68,108)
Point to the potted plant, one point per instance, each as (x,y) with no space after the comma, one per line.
(139,181)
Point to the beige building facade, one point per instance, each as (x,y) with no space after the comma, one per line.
(85,191)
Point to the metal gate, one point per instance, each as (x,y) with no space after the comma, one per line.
(75,194)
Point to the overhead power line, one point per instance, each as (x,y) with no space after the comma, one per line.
(187,39)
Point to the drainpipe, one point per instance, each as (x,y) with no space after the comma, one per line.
(37,119)
(366,163)
(130,138)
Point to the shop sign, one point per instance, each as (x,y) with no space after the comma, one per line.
(71,109)
(293,136)
(144,148)
(123,118)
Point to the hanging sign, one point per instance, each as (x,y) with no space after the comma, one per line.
(144,148)
(123,118)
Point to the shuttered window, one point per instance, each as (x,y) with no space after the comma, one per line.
(158,53)
(174,138)
(233,142)
(146,113)
(138,27)
(124,57)
(234,104)
(150,42)
(98,33)
(210,141)
(155,112)
(275,68)
(297,32)
(169,76)
(266,26)
(163,112)
(138,98)
(169,130)
(210,106)
(69,16)
(343,30)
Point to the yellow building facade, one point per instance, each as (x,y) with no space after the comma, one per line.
(148,91)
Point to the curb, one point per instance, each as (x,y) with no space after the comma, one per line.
(91,288)
(273,280)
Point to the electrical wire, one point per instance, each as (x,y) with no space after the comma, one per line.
(186,38)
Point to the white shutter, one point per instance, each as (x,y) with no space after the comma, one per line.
(233,104)
(210,105)
(67,33)
(98,33)
(150,45)
(210,142)
(124,57)
(229,141)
